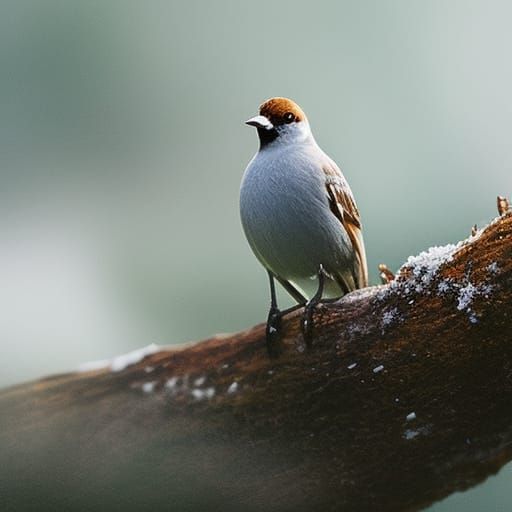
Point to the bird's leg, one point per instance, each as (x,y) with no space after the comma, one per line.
(307,319)
(273,321)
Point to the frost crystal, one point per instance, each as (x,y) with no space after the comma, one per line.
(201,394)
(444,286)
(425,266)
(199,381)
(419,273)
(390,316)
(493,268)
(171,383)
(466,295)
(91,366)
(233,388)
(148,387)
(422,270)
(422,431)
(121,362)
(411,434)
(485,290)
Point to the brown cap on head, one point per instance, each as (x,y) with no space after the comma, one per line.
(282,111)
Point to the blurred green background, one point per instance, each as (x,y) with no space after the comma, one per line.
(122,147)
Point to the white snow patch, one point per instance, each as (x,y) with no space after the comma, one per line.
(148,387)
(200,381)
(423,268)
(355,330)
(149,369)
(91,366)
(411,416)
(411,434)
(121,362)
(378,369)
(233,388)
(360,294)
(171,383)
(202,394)
(421,431)
(469,292)
(352,366)
(485,290)
(390,316)
(466,295)
(493,268)
(444,286)
(425,265)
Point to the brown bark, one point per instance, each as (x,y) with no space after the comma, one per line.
(403,399)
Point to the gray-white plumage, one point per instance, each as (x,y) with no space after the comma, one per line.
(294,204)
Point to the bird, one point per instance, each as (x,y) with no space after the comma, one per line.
(299,216)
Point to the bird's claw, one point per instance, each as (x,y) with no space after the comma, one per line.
(307,323)
(272,333)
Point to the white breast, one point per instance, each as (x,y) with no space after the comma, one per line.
(286,216)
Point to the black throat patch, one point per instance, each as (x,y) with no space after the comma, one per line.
(267,136)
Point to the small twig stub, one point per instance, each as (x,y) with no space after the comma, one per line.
(386,276)
(503,205)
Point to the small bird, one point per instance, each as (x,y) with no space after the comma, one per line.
(299,216)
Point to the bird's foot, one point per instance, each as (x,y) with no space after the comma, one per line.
(272,334)
(307,323)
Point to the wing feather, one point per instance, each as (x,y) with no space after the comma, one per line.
(343,206)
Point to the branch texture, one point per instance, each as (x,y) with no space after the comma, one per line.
(403,399)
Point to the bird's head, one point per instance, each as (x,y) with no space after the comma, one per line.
(280,121)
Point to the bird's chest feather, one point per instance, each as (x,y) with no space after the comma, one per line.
(285,212)
(283,189)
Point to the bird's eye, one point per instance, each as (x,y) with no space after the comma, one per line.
(289,117)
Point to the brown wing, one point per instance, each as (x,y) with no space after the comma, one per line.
(342,205)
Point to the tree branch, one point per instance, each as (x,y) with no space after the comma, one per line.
(403,399)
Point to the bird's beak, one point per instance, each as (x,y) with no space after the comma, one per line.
(260,122)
